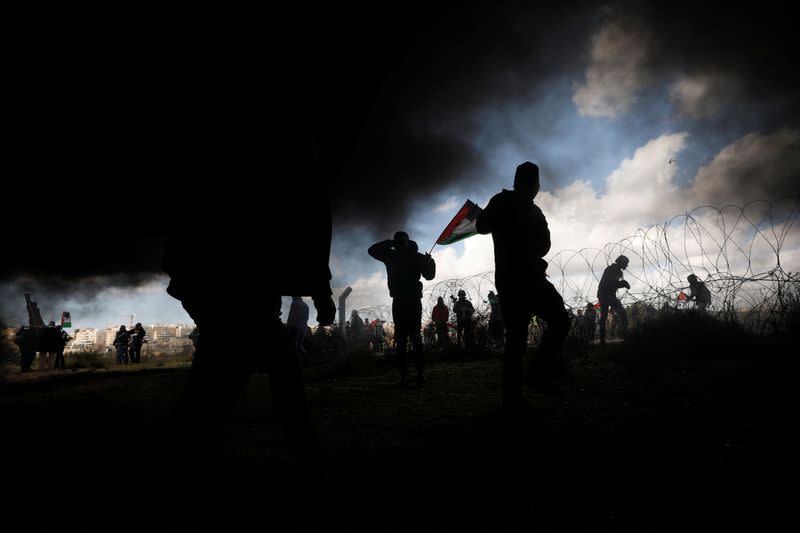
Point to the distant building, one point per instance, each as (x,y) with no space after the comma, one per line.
(83,340)
(161,331)
(184,330)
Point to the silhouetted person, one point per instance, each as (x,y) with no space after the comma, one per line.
(463,310)
(137,339)
(590,320)
(521,239)
(46,357)
(222,275)
(607,294)
(356,332)
(121,341)
(26,343)
(440,316)
(194,336)
(404,266)
(378,336)
(63,339)
(699,293)
(579,323)
(297,324)
(495,318)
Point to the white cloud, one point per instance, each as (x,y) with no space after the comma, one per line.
(639,193)
(449,206)
(641,189)
(367,291)
(703,95)
(615,74)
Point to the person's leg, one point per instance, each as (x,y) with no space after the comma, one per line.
(517,319)
(26,360)
(620,317)
(604,305)
(286,383)
(401,330)
(549,306)
(415,318)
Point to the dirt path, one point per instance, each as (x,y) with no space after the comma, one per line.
(627,446)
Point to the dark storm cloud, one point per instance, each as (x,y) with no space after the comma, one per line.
(395,100)
(413,139)
(53,292)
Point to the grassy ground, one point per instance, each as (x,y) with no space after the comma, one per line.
(640,439)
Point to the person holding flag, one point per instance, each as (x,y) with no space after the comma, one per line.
(462,225)
(699,293)
(521,239)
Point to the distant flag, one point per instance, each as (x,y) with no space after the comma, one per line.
(682,296)
(597,305)
(66,321)
(462,225)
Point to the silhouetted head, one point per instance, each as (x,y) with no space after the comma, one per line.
(692,278)
(622,261)
(138,324)
(440,300)
(401,239)
(526,179)
(462,294)
(122,328)
(491,293)
(51,323)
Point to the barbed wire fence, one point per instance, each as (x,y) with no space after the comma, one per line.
(735,250)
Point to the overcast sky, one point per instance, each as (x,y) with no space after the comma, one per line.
(633,115)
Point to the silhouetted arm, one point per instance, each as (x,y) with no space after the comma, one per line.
(541,233)
(381,250)
(487,219)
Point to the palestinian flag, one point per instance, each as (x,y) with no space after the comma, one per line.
(66,321)
(462,225)
(682,296)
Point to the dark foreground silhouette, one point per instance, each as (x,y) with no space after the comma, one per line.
(637,441)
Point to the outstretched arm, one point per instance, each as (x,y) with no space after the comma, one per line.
(487,219)
(381,250)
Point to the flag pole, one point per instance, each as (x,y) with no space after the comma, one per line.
(432,247)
